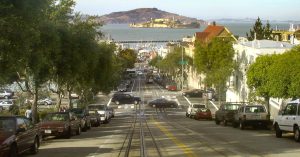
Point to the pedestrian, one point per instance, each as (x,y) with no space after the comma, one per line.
(28,112)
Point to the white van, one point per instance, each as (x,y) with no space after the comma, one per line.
(288,120)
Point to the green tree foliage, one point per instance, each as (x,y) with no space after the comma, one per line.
(215,61)
(172,65)
(261,31)
(155,61)
(128,57)
(276,75)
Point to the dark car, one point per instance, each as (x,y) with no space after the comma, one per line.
(84,117)
(95,118)
(124,98)
(60,124)
(203,113)
(226,113)
(163,103)
(17,135)
(193,93)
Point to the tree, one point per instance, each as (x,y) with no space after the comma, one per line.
(155,61)
(215,61)
(258,79)
(128,57)
(259,31)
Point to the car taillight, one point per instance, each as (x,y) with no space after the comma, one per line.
(244,117)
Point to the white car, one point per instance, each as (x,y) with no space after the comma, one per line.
(288,120)
(193,108)
(5,104)
(103,111)
(45,101)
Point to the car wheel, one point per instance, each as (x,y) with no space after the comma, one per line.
(13,151)
(78,132)
(135,102)
(296,134)
(46,104)
(242,125)
(234,124)
(117,102)
(69,133)
(278,132)
(35,147)
(6,97)
(85,128)
(186,114)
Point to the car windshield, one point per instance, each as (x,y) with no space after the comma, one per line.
(7,124)
(254,109)
(232,106)
(56,117)
(199,106)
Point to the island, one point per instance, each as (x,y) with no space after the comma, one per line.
(165,23)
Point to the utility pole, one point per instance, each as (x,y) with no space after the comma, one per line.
(181,68)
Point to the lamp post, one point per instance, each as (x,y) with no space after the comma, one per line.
(181,68)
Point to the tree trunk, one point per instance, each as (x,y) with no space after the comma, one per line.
(70,99)
(268,104)
(59,98)
(34,110)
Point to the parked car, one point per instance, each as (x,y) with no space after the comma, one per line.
(193,108)
(84,117)
(288,120)
(193,93)
(253,115)
(45,101)
(60,124)
(124,98)
(226,113)
(5,104)
(103,111)
(163,103)
(95,118)
(17,135)
(6,93)
(74,96)
(203,113)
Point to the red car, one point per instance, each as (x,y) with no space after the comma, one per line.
(17,135)
(60,124)
(171,87)
(203,113)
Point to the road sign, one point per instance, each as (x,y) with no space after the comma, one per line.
(183,62)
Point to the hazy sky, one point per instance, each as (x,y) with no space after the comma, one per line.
(201,9)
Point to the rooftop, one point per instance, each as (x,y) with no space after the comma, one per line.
(265,44)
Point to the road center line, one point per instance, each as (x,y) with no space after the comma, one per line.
(187,151)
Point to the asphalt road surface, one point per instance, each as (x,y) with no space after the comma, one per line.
(140,130)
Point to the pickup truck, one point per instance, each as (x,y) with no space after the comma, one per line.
(226,113)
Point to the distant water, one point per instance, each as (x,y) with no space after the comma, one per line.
(124,32)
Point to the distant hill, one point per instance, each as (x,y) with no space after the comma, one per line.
(143,15)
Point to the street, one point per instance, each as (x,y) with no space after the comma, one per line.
(140,130)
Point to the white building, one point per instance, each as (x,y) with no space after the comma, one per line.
(245,54)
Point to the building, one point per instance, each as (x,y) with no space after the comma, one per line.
(292,35)
(245,54)
(194,79)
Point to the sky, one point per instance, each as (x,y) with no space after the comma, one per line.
(201,9)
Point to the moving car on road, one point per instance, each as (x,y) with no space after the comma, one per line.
(124,98)
(60,124)
(288,120)
(163,103)
(17,135)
